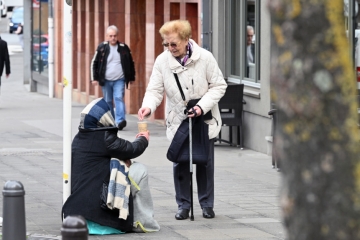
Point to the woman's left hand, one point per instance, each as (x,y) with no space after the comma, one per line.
(192,114)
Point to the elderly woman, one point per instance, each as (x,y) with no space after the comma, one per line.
(200,77)
(93,151)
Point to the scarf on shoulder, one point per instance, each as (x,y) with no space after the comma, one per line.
(119,188)
(187,56)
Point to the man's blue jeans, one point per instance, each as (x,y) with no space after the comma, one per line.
(115,90)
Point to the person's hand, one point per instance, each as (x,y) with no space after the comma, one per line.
(144,134)
(127,162)
(194,114)
(143,112)
(7,75)
(95,83)
(130,84)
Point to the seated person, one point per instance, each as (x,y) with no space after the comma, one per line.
(93,147)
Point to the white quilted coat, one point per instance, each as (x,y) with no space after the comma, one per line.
(199,78)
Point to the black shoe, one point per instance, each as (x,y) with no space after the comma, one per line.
(182,214)
(208,212)
(122,124)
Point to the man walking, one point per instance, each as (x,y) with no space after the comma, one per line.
(4,59)
(112,67)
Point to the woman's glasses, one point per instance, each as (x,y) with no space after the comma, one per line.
(173,45)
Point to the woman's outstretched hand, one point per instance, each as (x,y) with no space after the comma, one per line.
(144,134)
(143,112)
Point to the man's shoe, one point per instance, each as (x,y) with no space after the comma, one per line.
(182,214)
(208,212)
(122,124)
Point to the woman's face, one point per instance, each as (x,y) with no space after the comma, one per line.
(175,44)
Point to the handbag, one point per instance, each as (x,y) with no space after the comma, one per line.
(191,103)
(178,151)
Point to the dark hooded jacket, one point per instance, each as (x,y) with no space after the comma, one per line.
(92,149)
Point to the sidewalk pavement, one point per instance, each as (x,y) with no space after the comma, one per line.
(246,187)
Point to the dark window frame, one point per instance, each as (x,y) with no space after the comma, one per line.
(236,10)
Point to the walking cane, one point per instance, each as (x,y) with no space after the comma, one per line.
(191,171)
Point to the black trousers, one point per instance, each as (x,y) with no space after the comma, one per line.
(204,179)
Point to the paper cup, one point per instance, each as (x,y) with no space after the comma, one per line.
(142,126)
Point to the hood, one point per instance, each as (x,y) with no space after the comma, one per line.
(96,114)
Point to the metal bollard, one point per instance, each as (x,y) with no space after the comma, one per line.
(74,228)
(14,226)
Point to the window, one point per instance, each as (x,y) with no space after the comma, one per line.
(40,37)
(243,63)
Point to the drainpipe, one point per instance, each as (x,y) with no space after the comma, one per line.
(67,98)
(51,49)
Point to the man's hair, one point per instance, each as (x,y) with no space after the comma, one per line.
(250,28)
(112,27)
(181,27)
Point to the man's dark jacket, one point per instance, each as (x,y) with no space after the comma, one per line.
(92,150)
(4,58)
(99,61)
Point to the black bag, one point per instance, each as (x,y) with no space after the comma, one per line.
(103,197)
(191,103)
(178,151)
(123,225)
